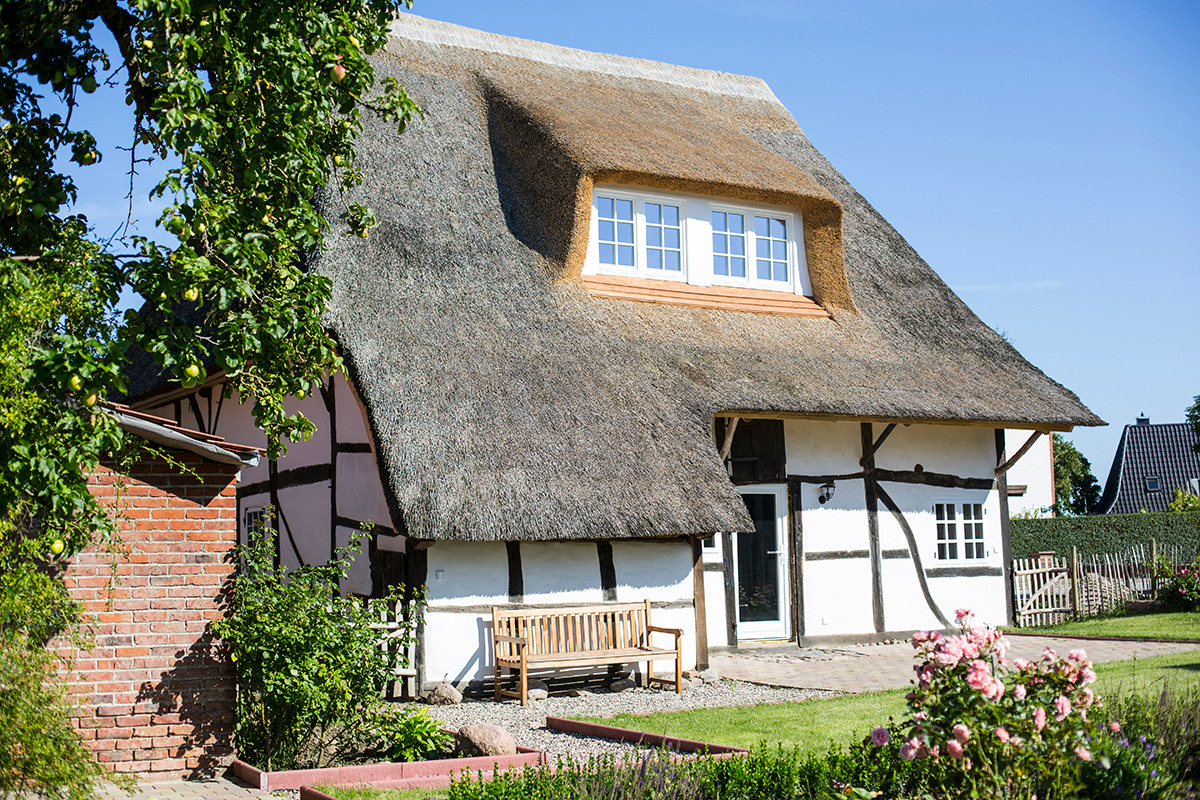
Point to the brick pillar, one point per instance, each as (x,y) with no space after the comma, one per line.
(154,697)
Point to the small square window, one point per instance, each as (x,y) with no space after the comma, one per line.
(1152,484)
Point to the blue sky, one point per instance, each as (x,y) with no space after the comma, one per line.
(1041,156)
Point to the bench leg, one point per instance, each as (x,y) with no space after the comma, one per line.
(649,673)
(496,682)
(524,680)
(678,675)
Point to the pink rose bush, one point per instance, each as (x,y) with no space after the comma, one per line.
(1034,714)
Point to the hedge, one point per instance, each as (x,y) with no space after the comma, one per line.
(1105,533)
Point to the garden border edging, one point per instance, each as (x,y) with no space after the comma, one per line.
(393,774)
(639,737)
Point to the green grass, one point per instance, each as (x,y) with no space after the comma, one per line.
(1148,675)
(810,725)
(1168,626)
(371,793)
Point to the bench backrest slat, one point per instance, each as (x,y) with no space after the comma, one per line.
(572,630)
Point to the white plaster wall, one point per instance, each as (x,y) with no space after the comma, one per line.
(1035,470)
(467,573)
(561,572)
(358,577)
(351,422)
(307,512)
(657,571)
(464,574)
(360,494)
(837,592)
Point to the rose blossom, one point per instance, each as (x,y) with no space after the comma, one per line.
(954,748)
(1114,726)
(1087,675)
(908,750)
(961,732)
(962,614)
(1019,691)
(1039,718)
(1078,655)
(1062,707)
(1002,735)
(880,736)
(1083,753)
(1048,654)
(1021,663)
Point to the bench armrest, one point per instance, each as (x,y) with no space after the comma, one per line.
(676,631)
(514,639)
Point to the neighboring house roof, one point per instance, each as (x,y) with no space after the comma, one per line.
(1163,451)
(506,402)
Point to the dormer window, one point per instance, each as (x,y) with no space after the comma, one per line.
(702,241)
(1152,484)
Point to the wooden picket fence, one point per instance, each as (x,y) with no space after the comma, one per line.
(1048,589)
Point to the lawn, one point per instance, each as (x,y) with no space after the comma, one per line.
(371,793)
(811,725)
(1168,626)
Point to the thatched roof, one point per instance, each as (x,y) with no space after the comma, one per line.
(507,403)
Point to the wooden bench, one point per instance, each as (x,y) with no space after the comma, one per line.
(614,633)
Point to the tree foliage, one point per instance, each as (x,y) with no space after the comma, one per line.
(1076,490)
(1193,418)
(256,107)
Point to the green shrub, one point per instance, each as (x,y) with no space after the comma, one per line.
(1181,591)
(393,734)
(308,664)
(41,754)
(1104,533)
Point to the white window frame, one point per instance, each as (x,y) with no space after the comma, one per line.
(639,268)
(697,240)
(752,281)
(960,540)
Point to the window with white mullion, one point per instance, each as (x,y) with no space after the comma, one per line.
(972,515)
(947,531)
(729,244)
(616,231)
(770,249)
(664,237)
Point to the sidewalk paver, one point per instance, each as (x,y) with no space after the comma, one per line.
(870,668)
(211,789)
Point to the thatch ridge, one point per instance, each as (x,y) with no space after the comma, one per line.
(507,403)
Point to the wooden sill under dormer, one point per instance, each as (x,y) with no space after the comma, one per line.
(725,298)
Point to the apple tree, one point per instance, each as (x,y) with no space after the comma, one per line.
(255,107)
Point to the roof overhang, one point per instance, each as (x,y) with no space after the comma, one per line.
(1044,427)
(179,439)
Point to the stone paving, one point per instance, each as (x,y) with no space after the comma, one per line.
(216,789)
(874,667)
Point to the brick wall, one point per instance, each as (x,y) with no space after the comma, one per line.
(154,697)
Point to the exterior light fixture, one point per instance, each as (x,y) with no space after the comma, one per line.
(826,493)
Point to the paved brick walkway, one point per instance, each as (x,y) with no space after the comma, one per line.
(216,789)
(869,668)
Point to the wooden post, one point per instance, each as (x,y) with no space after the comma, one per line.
(1153,569)
(701,606)
(1075,581)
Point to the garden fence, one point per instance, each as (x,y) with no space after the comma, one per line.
(1048,589)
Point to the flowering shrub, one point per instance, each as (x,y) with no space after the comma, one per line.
(1181,592)
(1004,729)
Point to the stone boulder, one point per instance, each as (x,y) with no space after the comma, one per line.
(622,685)
(482,739)
(444,694)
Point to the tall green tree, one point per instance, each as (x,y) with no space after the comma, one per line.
(1076,490)
(257,105)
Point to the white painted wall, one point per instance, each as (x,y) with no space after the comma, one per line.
(465,578)
(1035,470)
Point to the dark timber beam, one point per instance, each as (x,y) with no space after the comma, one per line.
(1005,527)
(727,445)
(886,499)
(870,487)
(870,454)
(934,479)
(1007,465)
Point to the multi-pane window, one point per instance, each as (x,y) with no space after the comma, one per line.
(703,241)
(616,231)
(947,531)
(972,530)
(729,244)
(664,237)
(770,248)
(959,530)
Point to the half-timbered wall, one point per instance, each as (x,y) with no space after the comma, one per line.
(466,579)
(1031,480)
(324,488)
(853,571)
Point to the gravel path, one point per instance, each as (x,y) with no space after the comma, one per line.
(528,724)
